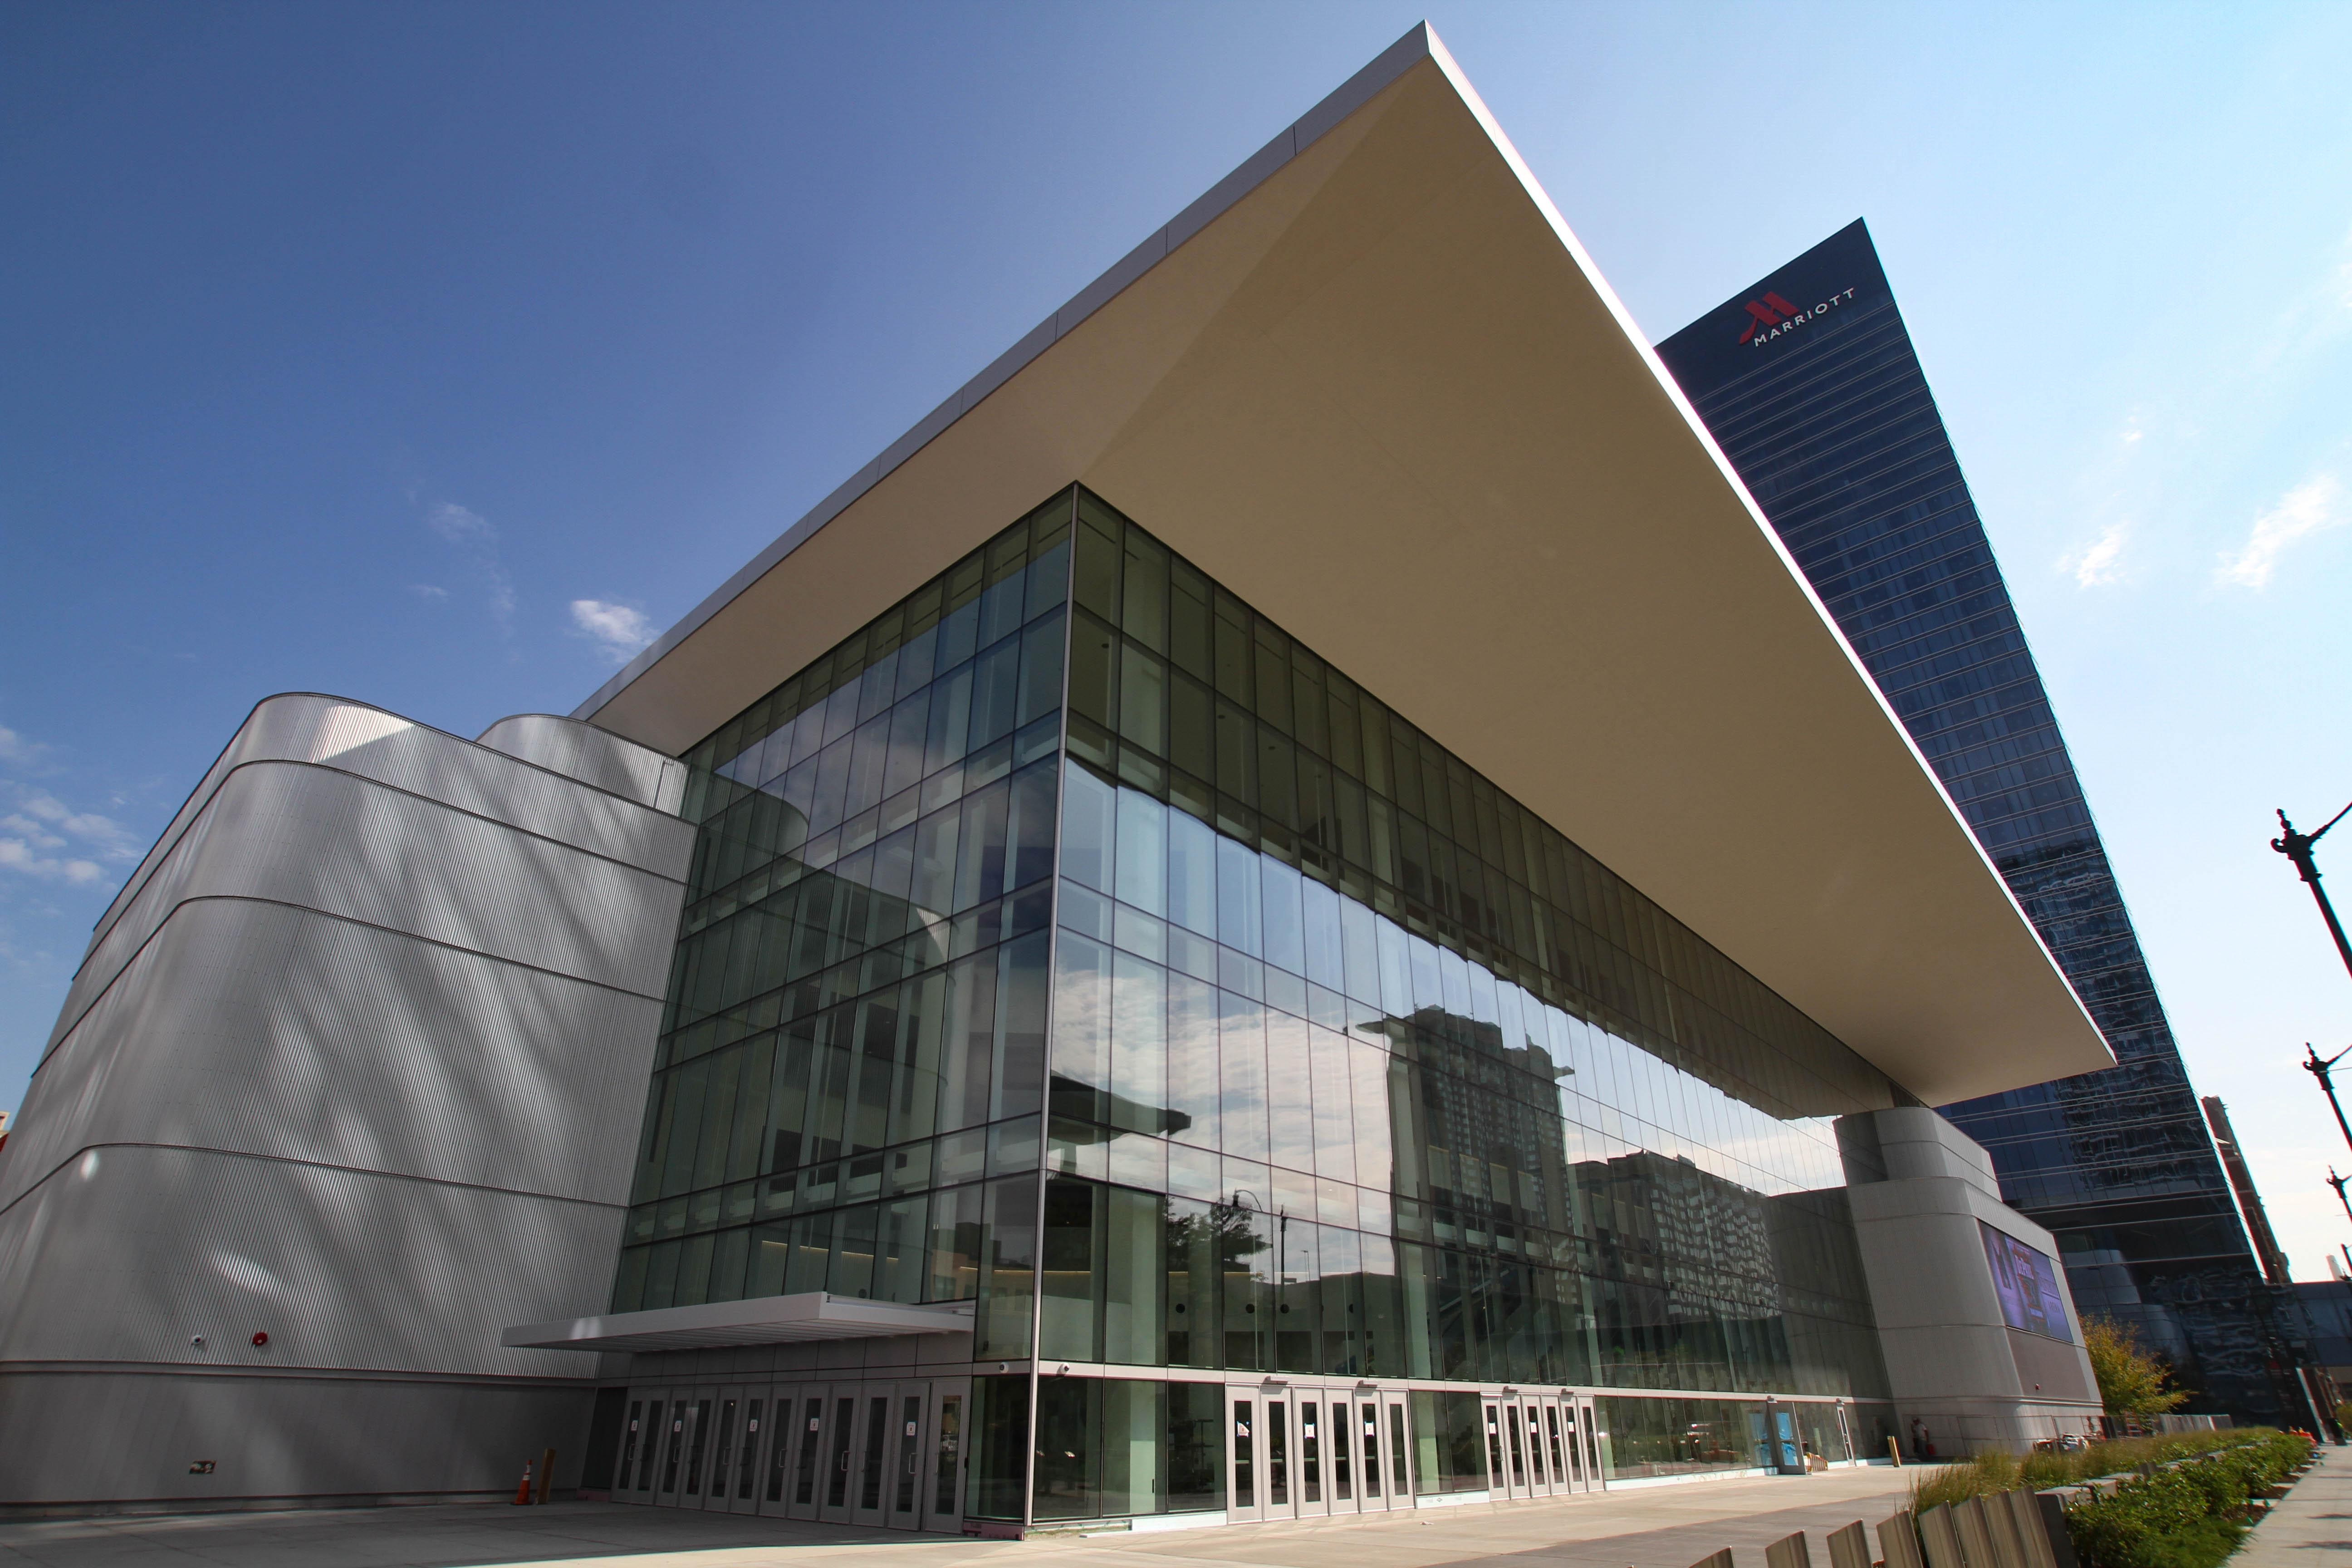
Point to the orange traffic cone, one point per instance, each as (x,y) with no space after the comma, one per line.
(522,1492)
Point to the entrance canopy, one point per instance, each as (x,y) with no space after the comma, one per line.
(1372,383)
(764,1321)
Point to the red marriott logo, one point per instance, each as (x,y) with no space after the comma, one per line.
(1770,317)
(1769,311)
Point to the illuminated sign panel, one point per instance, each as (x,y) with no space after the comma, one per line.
(2027,1283)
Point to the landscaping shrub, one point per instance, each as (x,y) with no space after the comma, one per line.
(2155,1521)
(2189,1516)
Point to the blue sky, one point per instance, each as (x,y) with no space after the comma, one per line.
(355,349)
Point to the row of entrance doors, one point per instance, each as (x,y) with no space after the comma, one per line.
(1297,1451)
(890,1454)
(1541,1445)
(869,1452)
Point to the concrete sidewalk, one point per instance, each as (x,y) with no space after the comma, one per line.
(2311,1525)
(1641,1527)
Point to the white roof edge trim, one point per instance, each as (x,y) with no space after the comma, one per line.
(1641,340)
(1419,43)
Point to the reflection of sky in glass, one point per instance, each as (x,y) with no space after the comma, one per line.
(1241,920)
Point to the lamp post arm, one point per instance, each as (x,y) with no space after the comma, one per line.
(2317,1067)
(2296,848)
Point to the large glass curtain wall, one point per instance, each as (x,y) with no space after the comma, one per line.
(1359,1070)
(1356,1068)
(852,1065)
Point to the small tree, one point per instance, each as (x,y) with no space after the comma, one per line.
(2131,1379)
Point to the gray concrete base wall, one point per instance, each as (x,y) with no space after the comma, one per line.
(1953,1363)
(101,1437)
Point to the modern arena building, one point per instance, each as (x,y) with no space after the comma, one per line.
(1289,907)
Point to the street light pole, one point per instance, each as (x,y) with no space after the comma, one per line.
(2297,846)
(2317,1067)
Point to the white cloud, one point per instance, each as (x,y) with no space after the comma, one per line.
(428,593)
(617,630)
(2094,566)
(41,835)
(472,533)
(16,855)
(460,526)
(2310,507)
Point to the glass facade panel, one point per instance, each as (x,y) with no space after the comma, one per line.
(1218,1021)
(1482,1111)
(1814,392)
(852,1066)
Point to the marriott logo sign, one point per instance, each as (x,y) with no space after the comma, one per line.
(1770,317)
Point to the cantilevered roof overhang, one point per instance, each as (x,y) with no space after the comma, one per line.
(1374,384)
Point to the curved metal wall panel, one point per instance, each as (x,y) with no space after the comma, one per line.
(372,743)
(591,755)
(128,1254)
(323,839)
(358,1047)
(355,1060)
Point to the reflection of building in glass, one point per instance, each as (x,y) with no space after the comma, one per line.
(1821,405)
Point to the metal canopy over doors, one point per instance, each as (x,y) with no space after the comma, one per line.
(869,1451)
(1304,1451)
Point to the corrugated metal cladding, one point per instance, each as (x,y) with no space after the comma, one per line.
(355,1062)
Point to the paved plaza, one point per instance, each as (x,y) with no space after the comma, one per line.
(1639,1527)
(2313,1526)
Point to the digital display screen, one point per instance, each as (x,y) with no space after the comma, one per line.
(2027,1283)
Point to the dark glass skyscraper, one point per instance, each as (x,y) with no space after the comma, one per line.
(1809,384)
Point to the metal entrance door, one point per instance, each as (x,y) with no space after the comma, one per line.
(1541,1479)
(718,1479)
(677,1435)
(835,1451)
(1596,1473)
(1368,1471)
(1258,1454)
(1507,1448)
(740,1485)
(641,1439)
(942,1485)
(792,1476)
(1555,1445)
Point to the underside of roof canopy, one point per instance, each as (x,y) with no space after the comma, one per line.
(1374,384)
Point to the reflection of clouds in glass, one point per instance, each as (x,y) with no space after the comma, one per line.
(1609,1091)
